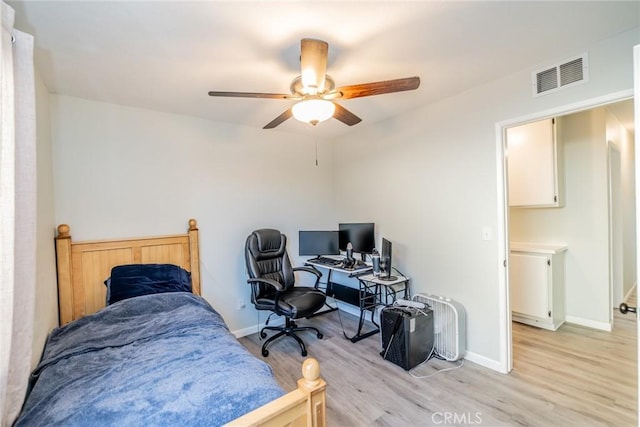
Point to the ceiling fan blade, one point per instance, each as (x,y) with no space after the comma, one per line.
(379,88)
(345,116)
(281,118)
(313,64)
(250,95)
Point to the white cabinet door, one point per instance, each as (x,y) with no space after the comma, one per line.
(530,283)
(532,164)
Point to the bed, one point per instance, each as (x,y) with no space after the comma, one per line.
(155,358)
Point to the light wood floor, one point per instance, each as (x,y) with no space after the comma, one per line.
(572,377)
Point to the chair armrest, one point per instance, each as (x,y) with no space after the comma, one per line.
(273,283)
(311,270)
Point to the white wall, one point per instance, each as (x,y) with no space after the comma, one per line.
(435,173)
(583,222)
(122,171)
(46,309)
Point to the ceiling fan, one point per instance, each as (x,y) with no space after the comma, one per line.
(316,93)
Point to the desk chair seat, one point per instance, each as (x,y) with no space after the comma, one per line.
(273,287)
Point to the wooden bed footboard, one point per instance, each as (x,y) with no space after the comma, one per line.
(303,407)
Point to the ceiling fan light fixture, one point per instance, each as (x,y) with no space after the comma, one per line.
(313,111)
(315,90)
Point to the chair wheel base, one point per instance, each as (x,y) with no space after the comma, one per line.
(289,329)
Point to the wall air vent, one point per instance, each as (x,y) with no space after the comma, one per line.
(556,77)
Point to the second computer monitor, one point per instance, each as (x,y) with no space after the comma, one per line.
(361,235)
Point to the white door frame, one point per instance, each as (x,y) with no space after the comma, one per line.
(506,354)
(615,234)
(636,120)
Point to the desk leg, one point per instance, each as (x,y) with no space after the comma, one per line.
(321,312)
(330,309)
(359,335)
(367,302)
(393,293)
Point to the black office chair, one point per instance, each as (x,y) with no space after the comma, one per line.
(272,283)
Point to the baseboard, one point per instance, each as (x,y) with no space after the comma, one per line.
(594,324)
(275,321)
(631,291)
(484,361)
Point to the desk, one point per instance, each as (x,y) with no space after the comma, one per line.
(387,290)
(336,289)
(372,292)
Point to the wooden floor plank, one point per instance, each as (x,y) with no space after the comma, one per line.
(572,377)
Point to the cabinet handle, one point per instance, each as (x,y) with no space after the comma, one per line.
(549,314)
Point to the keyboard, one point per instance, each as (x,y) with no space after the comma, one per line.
(326,261)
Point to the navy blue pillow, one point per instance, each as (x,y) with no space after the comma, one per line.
(128,281)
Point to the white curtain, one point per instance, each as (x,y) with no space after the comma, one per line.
(17,214)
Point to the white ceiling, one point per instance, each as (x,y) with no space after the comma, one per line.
(166,55)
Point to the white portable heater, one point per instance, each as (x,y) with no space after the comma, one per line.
(449,326)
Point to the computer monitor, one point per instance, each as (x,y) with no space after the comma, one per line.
(385,261)
(361,235)
(316,243)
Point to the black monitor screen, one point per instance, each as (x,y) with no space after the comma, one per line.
(361,235)
(385,260)
(316,243)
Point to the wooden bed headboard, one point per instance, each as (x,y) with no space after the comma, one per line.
(84,266)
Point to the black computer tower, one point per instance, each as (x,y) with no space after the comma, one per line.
(407,335)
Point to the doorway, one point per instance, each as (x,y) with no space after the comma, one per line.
(504,235)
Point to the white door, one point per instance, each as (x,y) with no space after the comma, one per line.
(636,106)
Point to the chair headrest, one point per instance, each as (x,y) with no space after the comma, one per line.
(267,243)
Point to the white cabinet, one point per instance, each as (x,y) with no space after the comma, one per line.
(532,165)
(536,278)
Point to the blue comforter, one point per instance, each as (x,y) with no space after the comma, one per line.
(163,359)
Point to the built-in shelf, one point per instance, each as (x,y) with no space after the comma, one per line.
(543,248)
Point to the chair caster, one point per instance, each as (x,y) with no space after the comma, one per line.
(320,336)
(265,352)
